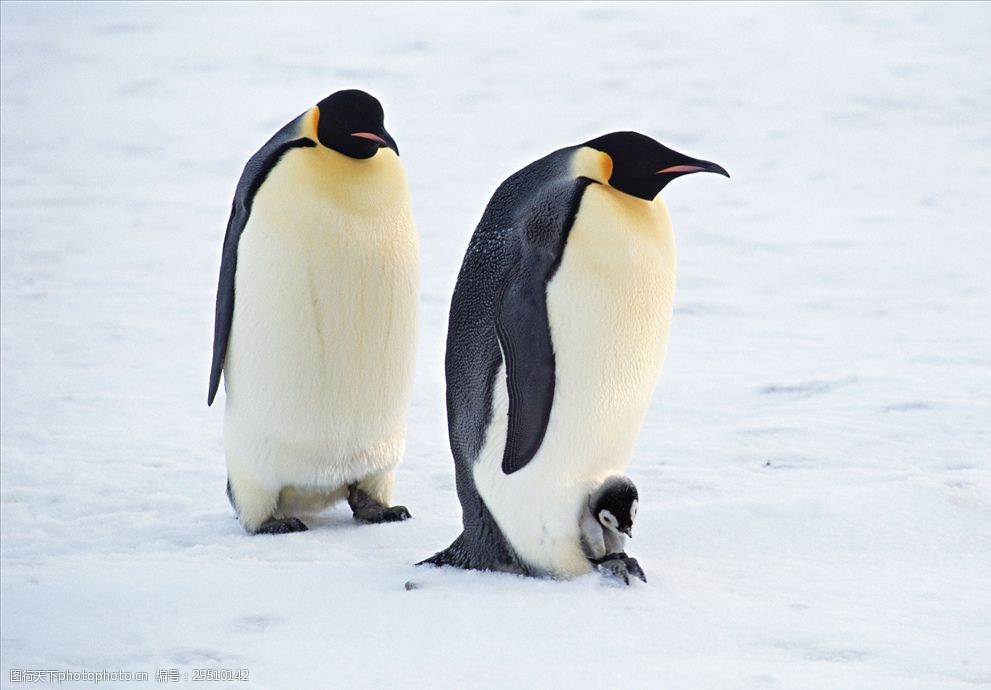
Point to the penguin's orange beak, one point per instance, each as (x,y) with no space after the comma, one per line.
(371,137)
(697,166)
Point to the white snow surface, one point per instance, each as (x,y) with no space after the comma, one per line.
(814,471)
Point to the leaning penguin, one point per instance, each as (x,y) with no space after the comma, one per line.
(557,334)
(316,320)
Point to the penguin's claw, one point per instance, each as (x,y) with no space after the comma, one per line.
(397,514)
(283,526)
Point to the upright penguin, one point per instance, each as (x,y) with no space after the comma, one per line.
(557,333)
(316,319)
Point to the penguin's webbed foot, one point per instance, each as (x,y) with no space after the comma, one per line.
(383,514)
(621,568)
(281,526)
(367,509)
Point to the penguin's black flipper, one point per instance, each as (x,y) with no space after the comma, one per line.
(525,341)
(255,172)
(522,323)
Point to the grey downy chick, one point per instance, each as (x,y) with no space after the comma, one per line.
(605,523)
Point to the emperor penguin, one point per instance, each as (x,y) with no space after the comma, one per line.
(557,334)
(606,522)
(316,320)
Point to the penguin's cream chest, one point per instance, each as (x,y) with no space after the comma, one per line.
(322,345)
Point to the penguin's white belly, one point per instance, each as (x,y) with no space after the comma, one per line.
(322,345)
(609,306)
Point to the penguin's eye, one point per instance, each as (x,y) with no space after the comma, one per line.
(608,520)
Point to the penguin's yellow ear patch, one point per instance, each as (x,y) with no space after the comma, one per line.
(308,128)
(605,161)
(593,164)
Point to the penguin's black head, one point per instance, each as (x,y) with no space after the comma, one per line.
(352,122)
(642,167)
(615,504)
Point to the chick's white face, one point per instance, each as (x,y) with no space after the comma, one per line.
(633,511)
(609,521)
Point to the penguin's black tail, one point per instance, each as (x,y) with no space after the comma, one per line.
(454,555)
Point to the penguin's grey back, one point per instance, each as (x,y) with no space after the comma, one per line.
(530,212)
(543,188)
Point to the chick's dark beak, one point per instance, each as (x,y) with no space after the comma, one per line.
(628,531)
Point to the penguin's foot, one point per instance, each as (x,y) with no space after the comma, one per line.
(382,514)
(283,526)
(367,509)
(621,568)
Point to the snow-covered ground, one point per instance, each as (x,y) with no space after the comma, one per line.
(815,470)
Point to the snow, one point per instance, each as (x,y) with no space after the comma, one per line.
(814,472)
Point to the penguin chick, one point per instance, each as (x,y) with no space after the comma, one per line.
(609,515)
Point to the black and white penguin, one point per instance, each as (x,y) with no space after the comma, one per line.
(606,521)
(316,319)
(557,334)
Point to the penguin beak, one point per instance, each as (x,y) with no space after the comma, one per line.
(693,167)
(628,532)
(385,141)
(371,137)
